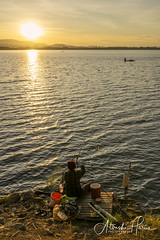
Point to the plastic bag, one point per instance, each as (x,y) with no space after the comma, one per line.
(70,207)
(58,213)
(68,211)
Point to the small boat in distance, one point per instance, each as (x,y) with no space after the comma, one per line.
(129,60)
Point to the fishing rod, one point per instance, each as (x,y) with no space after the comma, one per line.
(77,156)
(103,212)
(91,205)
(126,176)
(106,168)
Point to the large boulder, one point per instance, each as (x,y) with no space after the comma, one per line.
(13,198)
(26,196)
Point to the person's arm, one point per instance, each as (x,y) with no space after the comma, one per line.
(81,171)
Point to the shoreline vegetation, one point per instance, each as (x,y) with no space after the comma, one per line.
(13,44)
(27,216)
(79,48)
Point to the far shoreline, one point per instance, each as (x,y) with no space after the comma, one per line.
(82,48)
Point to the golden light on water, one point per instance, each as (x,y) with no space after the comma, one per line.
(32,63)
(34,84)
(32,56)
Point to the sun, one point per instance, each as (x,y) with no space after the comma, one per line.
(31,30)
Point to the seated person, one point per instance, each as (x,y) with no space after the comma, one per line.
(72,186)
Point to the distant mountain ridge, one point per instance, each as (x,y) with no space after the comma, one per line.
(12,43)
(63,46)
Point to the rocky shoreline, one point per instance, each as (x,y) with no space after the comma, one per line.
(27,215)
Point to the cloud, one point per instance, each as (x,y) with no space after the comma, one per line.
(89,17)
(89,11)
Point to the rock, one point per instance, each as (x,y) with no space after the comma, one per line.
(38,200)
(14,209)
(50,222)
(42,193)
(13,198)
(19,226)
(27,204)
(29,195)
(22,215)
(1,210)
(2,220)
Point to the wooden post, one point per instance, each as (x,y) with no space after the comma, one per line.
(129,171)
(126,179)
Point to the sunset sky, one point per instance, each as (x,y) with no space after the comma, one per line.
(84,22)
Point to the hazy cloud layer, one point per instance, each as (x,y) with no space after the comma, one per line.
(103,19)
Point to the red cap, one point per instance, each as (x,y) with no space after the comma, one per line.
(71,165)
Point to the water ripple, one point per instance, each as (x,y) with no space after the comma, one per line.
(61,102)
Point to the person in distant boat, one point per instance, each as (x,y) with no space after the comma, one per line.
(129,60)
(71,178)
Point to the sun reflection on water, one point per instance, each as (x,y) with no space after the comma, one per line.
(33,63)
(32,56)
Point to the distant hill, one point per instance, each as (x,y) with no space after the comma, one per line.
(16,44)
(63,46)
(11,43)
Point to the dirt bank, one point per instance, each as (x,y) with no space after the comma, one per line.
(27,215)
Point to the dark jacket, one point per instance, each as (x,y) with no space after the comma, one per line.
(72,187)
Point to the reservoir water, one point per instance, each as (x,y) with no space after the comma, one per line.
(52,103)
